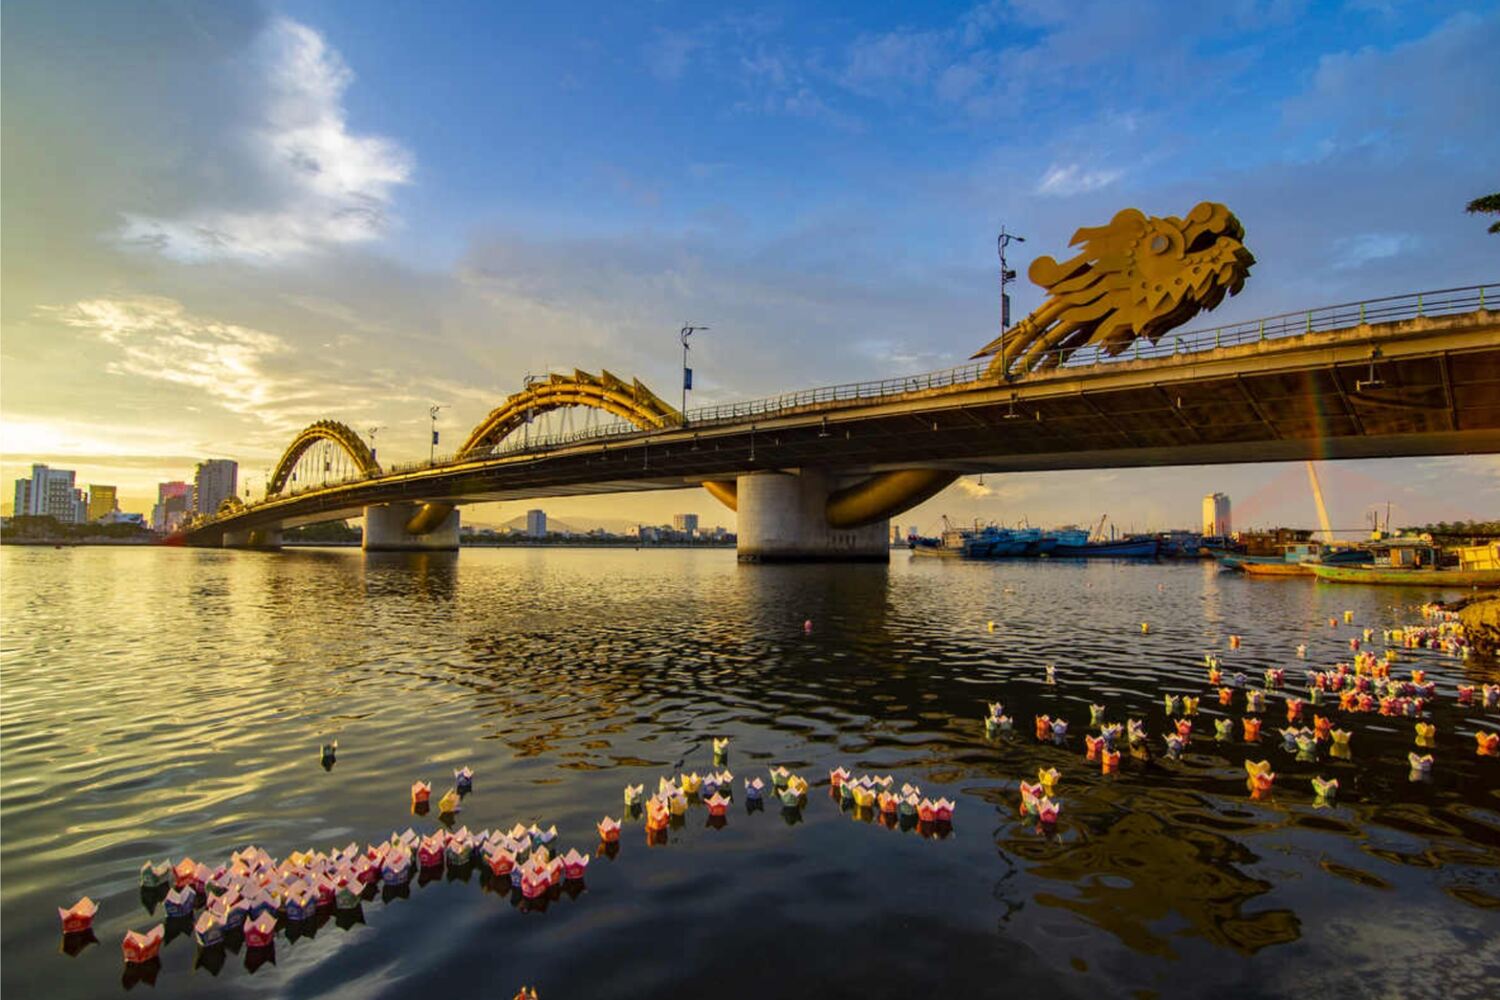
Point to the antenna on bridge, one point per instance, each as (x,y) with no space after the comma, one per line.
(432,411)
(1006,277)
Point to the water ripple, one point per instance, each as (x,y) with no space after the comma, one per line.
(171,702)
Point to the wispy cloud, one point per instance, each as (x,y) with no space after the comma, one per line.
(997,488)
(324,184)
(1356,251)
(158,339)
(896,59)
(247,372)
(668,53)
(1062,180)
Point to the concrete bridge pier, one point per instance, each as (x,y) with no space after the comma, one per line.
(253,538)
(783,518)
(386,530)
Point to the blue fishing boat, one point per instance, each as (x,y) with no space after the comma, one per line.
(990,542)
(994,542)
(1074,543)
(1037,542)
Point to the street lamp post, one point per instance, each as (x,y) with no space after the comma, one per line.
(1006,277)
(372,432)
(687,373)
(432,411)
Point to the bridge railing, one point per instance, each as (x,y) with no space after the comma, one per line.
(1442,302)
(1388,309)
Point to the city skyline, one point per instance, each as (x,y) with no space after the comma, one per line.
(305,240)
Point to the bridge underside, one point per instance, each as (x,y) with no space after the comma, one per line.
(1435,391)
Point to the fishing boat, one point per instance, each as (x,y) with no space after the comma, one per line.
(988,542)
(1036,541)
(1418,563)
(977,543)
(1000,543)
(1269,566)
(1298,559)
(1073,543)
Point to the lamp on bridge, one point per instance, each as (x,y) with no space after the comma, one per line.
(432,411)
(1007,275)
(1374,381)
(687,373)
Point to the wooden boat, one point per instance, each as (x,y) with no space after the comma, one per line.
(1415,563)
(1298,559)
(1267,566)
(1420,577)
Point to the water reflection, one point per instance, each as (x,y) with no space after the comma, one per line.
(1129,869)
(200,686)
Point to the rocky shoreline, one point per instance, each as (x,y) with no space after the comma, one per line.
(1480,617)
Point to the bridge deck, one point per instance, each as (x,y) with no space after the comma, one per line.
(1289,398)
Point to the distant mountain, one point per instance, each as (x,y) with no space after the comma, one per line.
(575,525)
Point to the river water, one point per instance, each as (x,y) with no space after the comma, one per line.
(168,702)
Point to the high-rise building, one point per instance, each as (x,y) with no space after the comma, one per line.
(50,493)
(687,524)
(172,502)
(1216,514)
(536,523)
(102,501)
(214,482)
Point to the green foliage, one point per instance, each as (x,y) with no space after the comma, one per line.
(1459,529)
(47,528)
(1489,205)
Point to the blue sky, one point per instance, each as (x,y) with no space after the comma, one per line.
(226,220)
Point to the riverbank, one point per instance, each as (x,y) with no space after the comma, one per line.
(1480,617)
(58,543)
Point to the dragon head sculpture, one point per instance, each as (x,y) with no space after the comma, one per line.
(1139,276)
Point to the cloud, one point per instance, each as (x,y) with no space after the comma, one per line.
(775,82)
(1421,93)
(157,339)
(1062,180)
(972,488)
(247,372)
(1356,251)
(50,438)
(998,487)
(324,185)
(669,53)
(895,59)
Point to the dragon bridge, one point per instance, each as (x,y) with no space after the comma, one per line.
(1139,276)
(628,401)
(324,430)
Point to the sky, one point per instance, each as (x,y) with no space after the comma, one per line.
(223,221)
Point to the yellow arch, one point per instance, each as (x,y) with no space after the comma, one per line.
(324,430)
(628,401)
(230,504)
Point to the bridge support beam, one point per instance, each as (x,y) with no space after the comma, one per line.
(253,538)
(385,530)
(783,518)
